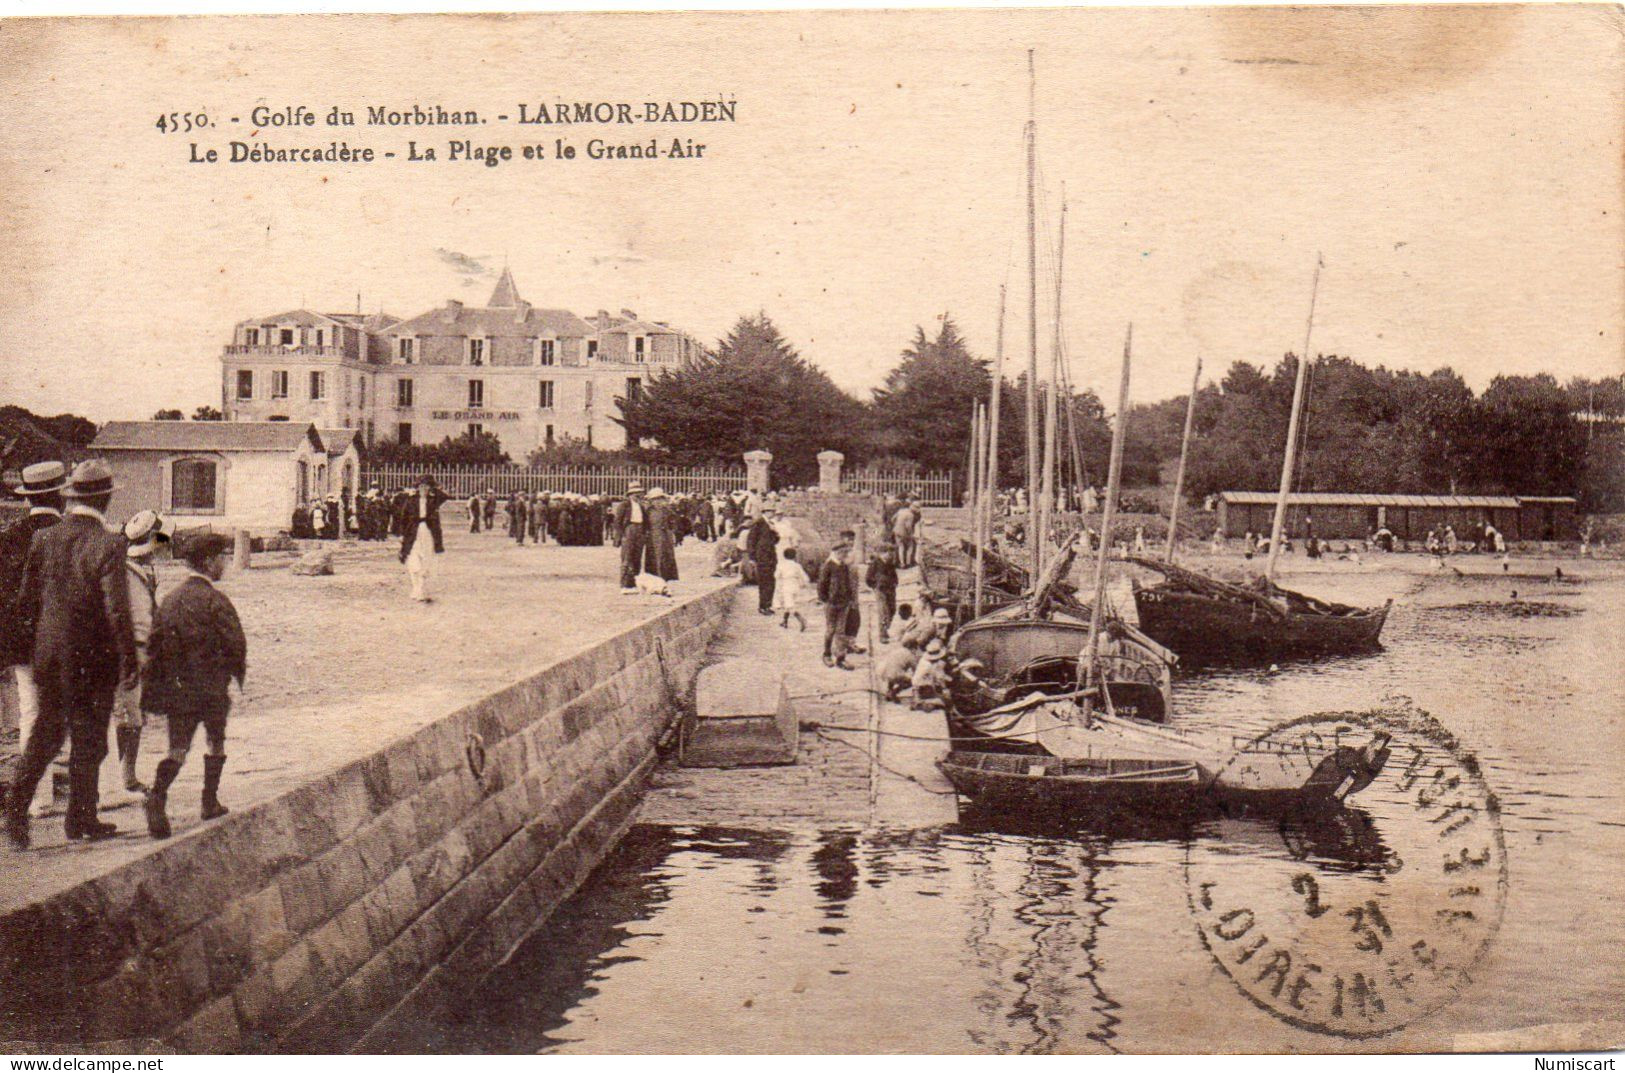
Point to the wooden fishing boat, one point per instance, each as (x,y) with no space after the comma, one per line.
(948,579)
(1032,784)
(1022,655)
(1063,755)
(1211,621)
(1206,620)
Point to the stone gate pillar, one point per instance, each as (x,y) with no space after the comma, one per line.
(829,471)
(756,470)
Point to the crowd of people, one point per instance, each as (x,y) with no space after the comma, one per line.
(86,638)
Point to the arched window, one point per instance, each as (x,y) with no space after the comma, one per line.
(193,485)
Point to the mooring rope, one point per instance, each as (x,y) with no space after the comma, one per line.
(820,731)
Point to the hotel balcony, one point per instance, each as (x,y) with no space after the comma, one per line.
(244,350)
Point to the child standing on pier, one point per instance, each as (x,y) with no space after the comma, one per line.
(789,589)
(195,650)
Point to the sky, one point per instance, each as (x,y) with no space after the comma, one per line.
(1459,170)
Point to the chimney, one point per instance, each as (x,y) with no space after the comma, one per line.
(453,308)
(521,312)
(628,314)
(602,320)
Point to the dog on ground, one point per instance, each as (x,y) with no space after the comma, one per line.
(650,585)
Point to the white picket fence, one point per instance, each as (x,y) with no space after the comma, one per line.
(934,489)
(460,482)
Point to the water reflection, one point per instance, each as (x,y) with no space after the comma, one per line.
(1020,934)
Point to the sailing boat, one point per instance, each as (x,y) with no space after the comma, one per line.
(1206,620)
(1075,752)
(1029,643)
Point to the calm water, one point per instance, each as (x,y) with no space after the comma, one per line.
(980,937)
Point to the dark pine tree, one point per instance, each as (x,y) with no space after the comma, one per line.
(753,391)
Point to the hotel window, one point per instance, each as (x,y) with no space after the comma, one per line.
(192,485)
(547,435)
(592,348)
(286,336)
(634,388)
(404,350)
(639,354)
(403,433)
(403,392)
(475,429)
(245,384)
(545,396)
(476,351)
(476,394)
(318,386)
(251,336)
(279,383)
(545,352)
(319,334)
(361,401)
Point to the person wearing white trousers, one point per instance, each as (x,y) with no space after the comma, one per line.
(419,522)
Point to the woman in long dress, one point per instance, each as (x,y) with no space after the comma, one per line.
(660,554)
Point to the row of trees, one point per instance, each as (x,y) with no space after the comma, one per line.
(755,390)
(202,413)
(1365,429)
(1381,430)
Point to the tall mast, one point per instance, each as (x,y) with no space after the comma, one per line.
(1291,457)
(973,472)
(1184,454)
(1034,543)
(1051,401)
(1114,471)
(973,459)
(992,474)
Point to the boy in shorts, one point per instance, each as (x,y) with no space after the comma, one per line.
(196,648)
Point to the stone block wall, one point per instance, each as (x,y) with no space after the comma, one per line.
(337,915)
(829,513)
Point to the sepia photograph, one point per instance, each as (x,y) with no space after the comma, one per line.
(965,531)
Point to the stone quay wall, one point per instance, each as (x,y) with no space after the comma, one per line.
(333,916)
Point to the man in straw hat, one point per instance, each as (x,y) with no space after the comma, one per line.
(197,648)
(147,535)
(634,533)
(42,489)
(75,593)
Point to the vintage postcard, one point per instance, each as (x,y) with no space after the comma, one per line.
(1082,531)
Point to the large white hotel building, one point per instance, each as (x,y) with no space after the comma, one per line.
(530,375)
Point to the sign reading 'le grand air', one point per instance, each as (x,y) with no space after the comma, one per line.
(475,415)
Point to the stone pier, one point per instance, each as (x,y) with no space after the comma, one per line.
(348,901)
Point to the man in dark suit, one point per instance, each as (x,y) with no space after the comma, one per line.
(42,489)
(75,593)
(839,595)
(196,648)
(419,522)
(763,548)
(634,536)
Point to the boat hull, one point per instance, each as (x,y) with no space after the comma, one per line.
(1210,629)
(1033,785)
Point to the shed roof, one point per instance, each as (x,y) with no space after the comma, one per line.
(205,436)
(1372,499)
(338,440)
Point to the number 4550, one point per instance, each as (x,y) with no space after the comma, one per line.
(180,122)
